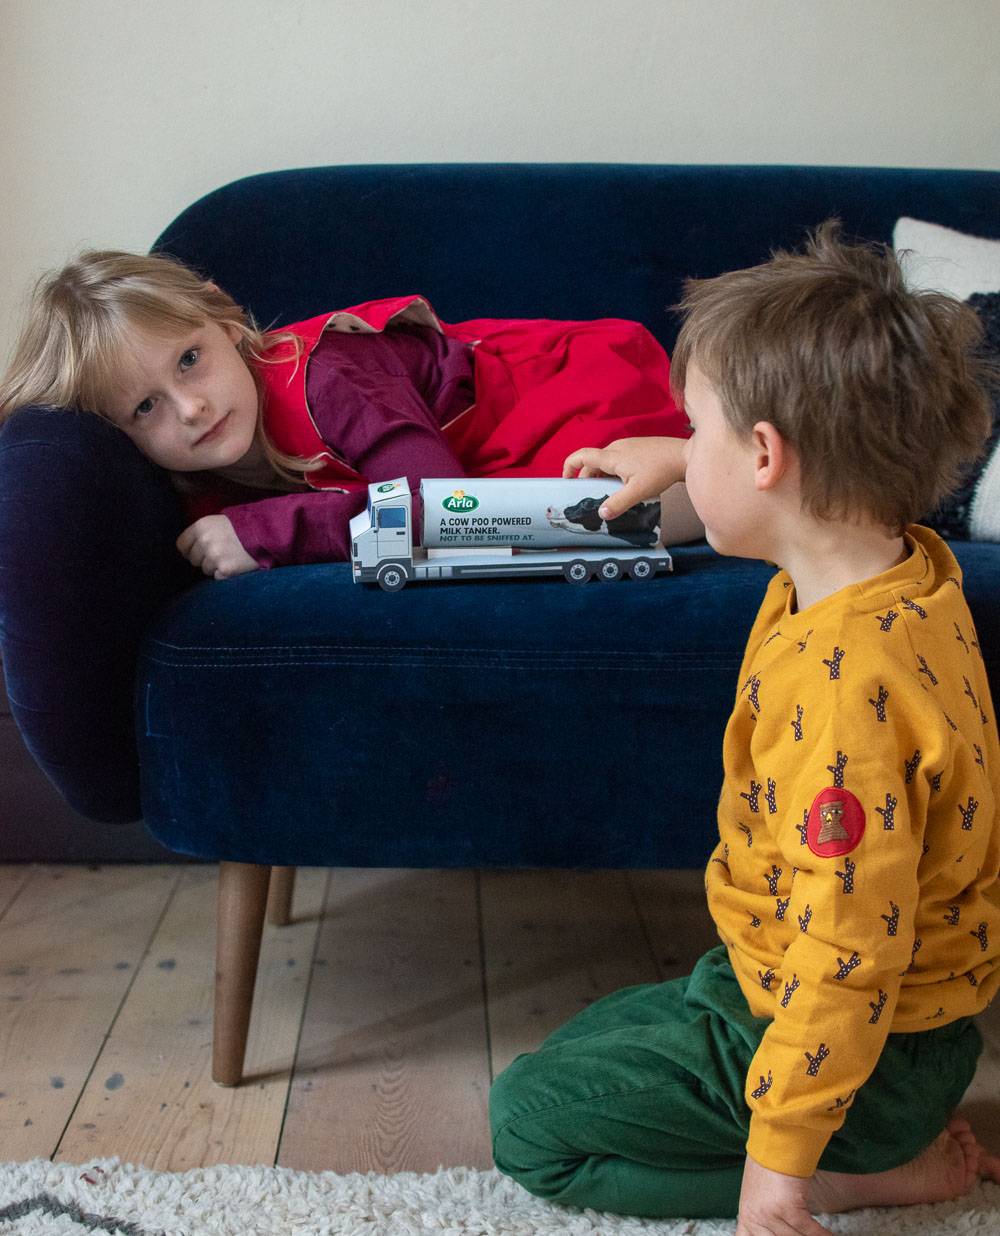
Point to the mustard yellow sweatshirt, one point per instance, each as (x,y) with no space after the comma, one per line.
(855,880)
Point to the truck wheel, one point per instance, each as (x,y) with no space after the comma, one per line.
(577,571)
(391,577)
(610,570)
(641,568)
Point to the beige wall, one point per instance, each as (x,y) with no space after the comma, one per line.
(118,113)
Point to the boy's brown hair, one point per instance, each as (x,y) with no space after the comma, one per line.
(881,390)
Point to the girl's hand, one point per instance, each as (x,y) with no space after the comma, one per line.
(212,544)
(647,466)
(774,1205)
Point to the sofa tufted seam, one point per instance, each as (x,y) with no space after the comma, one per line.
(493,662)
(394,652)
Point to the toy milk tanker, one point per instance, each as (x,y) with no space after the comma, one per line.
(474,528)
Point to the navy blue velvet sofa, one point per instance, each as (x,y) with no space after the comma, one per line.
(291,717)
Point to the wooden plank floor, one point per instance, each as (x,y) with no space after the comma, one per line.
(382,1013)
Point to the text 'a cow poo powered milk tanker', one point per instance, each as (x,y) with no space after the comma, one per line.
(532,513)
(502,526)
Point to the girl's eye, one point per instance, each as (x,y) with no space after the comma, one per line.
(144,408)
(190,358)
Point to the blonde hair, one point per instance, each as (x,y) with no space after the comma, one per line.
(881,390)
(76,345)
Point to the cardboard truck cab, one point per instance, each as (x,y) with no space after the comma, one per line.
(382,536)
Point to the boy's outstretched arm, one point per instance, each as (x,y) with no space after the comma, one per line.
(647,466)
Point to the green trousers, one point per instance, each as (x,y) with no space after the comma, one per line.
(636,1106)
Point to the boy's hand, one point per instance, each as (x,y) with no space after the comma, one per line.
(647,466)
(772,1204)
(212,544)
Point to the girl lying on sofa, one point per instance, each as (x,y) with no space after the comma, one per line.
(274,436)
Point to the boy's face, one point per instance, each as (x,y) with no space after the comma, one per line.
(720,470)
(191,405)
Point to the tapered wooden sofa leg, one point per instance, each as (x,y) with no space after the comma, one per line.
(279,896)
(241,906)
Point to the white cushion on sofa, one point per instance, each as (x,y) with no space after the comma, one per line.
(984,513)
(944,260)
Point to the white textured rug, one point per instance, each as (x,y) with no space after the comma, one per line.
(46,1199)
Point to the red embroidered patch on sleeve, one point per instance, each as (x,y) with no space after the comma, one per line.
(836,823)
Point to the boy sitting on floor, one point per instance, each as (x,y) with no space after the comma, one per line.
(813,1062)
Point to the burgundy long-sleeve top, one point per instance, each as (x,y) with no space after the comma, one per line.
(385,389)
(381,401)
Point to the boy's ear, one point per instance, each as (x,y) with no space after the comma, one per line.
(772,455)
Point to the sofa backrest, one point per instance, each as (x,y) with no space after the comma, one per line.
(538,240)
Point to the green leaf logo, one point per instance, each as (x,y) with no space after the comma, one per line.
(460,501)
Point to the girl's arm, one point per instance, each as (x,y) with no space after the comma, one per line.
(378,401)
(315,527)
(294,529)
(211,544)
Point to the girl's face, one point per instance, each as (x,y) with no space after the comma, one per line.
(192,404)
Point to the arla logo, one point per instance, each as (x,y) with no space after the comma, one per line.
(460,501)
(388,488)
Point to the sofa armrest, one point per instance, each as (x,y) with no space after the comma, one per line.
(87,530)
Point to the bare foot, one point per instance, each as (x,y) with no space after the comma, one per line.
(947,1169)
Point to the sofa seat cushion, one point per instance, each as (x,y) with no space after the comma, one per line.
(295,717)
(529,722)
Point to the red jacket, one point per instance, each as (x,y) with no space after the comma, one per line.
(543,389)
